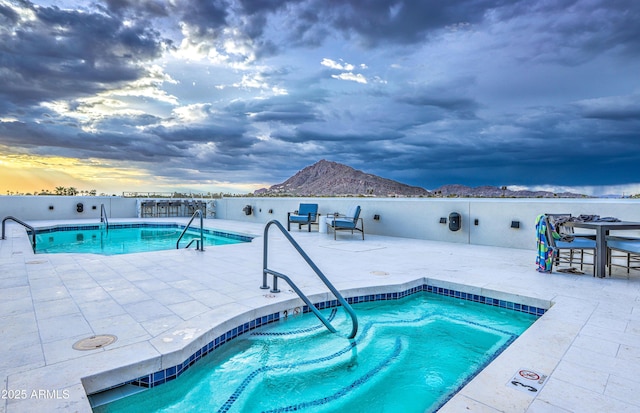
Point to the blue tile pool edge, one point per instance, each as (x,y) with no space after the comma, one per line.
(169,374)
(88,227)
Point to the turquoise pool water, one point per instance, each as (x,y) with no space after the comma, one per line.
(410,355)
(124,238)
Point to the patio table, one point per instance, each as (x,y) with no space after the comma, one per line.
(602,229)
(322,228)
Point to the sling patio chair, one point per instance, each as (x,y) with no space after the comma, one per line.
(629,248)
(348,222)
(307,214)
(565,245)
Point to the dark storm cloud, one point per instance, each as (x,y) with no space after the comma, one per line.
(278,109)
(69,140)
(348,141)
(426,92)
(450,99)
(625,108)
(284,115)
(157,144)
(62,53)
(208,16)
(156,8)
(552,148)
(8,17)
(541,145)
(405,22)
(451,103)
(371,22)
(227,138)
(572,32)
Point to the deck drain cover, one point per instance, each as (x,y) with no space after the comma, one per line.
(95,342)
(379,273)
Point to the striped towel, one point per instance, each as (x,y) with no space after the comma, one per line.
(544,259)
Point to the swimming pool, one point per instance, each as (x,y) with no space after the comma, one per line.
(125,238)
(411,355)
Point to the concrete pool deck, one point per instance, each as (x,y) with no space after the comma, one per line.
(162,305)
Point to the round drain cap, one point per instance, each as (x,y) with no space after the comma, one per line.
(95,342)
(379,273)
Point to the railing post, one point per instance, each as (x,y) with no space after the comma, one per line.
(265,254)
(275,284)
(201,232)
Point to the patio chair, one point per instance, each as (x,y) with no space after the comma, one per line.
(630,250)
(565,244)
(348,222)
(307,214)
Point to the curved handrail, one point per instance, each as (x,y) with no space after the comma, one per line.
(103,216)
(197,212)
(314,267)
(33,231)
(197,241)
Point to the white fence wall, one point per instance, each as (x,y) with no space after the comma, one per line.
(402,217)
(66,207)
(420,217)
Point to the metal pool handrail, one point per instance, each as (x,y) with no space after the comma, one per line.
(33,231)
(103,216)
(314,267)
(199,247)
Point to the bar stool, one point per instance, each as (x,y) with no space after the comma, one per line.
(173,207)
(163,208)
(148,209)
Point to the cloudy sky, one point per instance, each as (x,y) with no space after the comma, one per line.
(235,95)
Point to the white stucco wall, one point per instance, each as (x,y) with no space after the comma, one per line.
(65,207)
(402,217)
(420,217)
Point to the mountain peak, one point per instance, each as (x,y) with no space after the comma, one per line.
(328,178)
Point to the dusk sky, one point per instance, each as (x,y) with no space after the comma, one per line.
(236,95)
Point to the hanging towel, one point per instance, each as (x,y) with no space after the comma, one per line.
(544,259)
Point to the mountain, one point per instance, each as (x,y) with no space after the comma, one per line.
(463,191)
(326,178)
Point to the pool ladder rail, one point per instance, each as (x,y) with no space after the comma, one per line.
(314,267)
(103,217)
(29,227)
(199,242)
